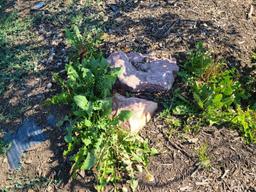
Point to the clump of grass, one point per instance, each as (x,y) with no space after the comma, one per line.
(203,156)
(16,58)
(29,184)
(3,145)
(254,56)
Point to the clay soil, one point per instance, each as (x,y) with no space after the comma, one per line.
(162,28)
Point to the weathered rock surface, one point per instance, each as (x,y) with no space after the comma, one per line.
(142,110)
(141,73)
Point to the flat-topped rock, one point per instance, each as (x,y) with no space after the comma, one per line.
(141,73)
(142,110)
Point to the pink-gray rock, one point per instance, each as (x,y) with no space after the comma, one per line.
(142,73)
(142,110)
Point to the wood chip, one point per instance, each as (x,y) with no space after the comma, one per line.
(251,12)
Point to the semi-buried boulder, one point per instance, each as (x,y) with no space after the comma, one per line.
(142,73)
(142,110)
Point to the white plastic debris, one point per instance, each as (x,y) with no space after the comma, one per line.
(39,5)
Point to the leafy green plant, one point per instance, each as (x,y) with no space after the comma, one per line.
(3,145)
(96,140)
(245,121)
(203,157)
(212,95)
(198,61)
(216,96)
(84,45)
(25,184)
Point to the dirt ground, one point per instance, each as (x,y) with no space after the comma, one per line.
(163,28)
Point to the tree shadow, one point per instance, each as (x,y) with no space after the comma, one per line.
(169,31)
(122,6)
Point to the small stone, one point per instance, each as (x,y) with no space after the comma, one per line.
(49,85)
(142,111)
(28,161)
(5,160)
(55,43)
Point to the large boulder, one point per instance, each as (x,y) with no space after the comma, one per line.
(142,73)
(142,110)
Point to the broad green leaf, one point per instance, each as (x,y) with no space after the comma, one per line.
(86,141)
(81,102)
(134,184)
(87,123)
(72,73)
(154,151)
(61,98)
(102,104)
(124,115)
(89,162)
(137,158)
(198,100)
(217,101)
(181,109)
(68,138)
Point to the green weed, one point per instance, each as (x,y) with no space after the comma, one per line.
(27,184)
(203,157)
(3,147)
(199,60)
(245,121)
(254,56)
(212,95)
(96,141)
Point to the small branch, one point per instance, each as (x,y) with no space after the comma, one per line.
(251,12)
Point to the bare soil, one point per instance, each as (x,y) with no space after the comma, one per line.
(163,28)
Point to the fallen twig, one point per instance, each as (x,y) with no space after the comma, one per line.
(251,12)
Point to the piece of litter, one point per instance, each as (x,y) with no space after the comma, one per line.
(203,183)
(49,85)
(225,174)
(38,5)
